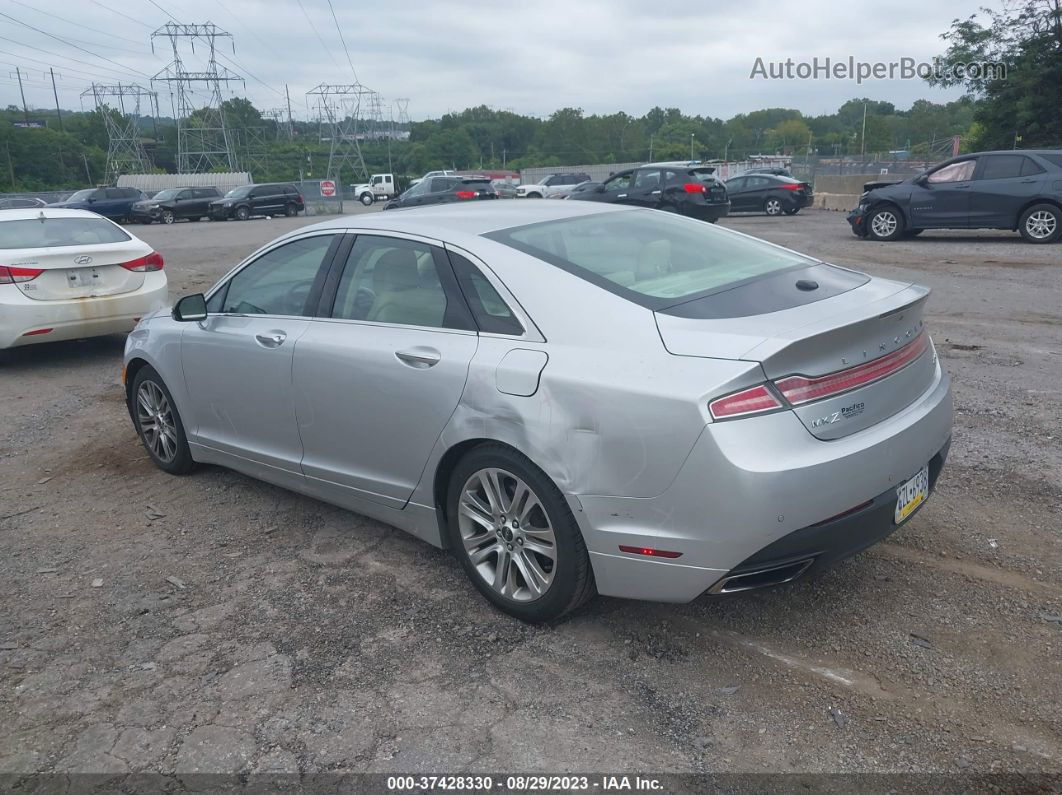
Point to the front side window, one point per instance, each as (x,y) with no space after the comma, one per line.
(391,280)
(619,182)
(655,259)
(956,172)
(278,282)
(239,193)
(165,195)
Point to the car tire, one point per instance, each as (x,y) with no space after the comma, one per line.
(167,217)
(291,211)
(772,206)
(885,223)
(158,424)
(533,586)
(242,213)
(534,196)
(145,221)
(1041,223)
(792,211)
(367,199)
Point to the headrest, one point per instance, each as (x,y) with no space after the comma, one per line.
(397,270)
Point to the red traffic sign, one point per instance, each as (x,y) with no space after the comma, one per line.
(328,187)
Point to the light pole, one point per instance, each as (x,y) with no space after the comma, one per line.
(726,150)
(691,146)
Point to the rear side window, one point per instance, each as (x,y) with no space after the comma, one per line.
(1002,166)
(1053,159)
(489,309)
(34,233)
(1031,167)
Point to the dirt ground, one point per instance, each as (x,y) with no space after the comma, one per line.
(214,623)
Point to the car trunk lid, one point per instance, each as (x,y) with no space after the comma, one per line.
(85,272)
(877,326)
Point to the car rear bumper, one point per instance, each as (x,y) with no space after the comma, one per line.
(707,212)
(763,490)
(74,319)
(857,220)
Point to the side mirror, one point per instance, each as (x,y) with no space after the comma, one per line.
(190,308)
(599,189)
(922,180)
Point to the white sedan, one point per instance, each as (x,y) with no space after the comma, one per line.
(67,274)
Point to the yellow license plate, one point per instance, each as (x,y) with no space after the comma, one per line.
(912,494)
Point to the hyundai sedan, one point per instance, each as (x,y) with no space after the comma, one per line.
(67,274)
(573,397)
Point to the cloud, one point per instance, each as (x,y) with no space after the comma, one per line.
(534,56)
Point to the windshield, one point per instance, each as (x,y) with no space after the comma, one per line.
(169,193)
(36,233)
(238,193)
(654,259)
(82,195)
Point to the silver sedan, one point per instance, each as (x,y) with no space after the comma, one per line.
(575,398)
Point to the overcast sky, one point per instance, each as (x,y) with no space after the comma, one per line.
(532,56)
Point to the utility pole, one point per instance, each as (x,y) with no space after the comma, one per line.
(863,143)
(55,94)
(287,96)
(10,165)
(651,136)
(88,174)
(726,150)
(25,109)
(691,146)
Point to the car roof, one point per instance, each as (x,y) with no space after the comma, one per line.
(34,213)
(473,219)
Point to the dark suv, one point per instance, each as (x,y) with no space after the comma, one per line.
(275,198)
(444,190)
(1011,189)
(113,203)
(687,189)
(172,204)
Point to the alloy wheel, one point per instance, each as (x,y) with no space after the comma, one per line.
(774,207)
(168,217)
(507,534)
(884,223)
(155,418)
(1041,224)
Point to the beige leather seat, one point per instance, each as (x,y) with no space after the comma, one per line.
(400,298)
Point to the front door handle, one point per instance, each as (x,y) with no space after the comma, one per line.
(421,358)
(656,193)
(622,196)
(274,340)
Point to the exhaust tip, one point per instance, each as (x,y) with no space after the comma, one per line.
(761,578)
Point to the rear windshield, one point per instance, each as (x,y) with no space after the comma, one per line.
(34,233)
(654,259)
(704,174)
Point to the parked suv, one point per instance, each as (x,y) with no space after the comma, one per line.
(444,190)
(172,204)
(554,186)
(113,203)
(1010,189)
(278,198)
(691,190)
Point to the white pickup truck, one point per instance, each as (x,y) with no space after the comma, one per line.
(378,188)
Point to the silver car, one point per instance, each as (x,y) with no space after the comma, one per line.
(573,397)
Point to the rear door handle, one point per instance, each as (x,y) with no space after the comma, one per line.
(421,358)
(274,340)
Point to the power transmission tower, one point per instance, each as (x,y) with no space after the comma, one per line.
(203,141)
(343,106)
(400,118)
(279,117)
(125,153)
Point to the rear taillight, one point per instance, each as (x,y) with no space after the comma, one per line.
(152,262)
(465,194)
(787,186)
(694,187)
(10,274)
(755,400)
(798,390)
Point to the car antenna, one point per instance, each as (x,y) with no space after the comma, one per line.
(41,217)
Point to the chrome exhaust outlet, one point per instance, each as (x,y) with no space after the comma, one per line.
(761,578)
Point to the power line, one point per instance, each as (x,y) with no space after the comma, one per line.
(339,30)
(46,63)
(119,13)
(71,44)
(76,24)
(124,72)
(318,35)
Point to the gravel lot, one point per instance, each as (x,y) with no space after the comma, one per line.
(214,623)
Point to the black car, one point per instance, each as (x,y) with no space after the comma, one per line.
(583,187)
(1011,189)
(444,190)
(767,193)
(172,204)
(689,190)
(114,203)
(274,198)
(778,171)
